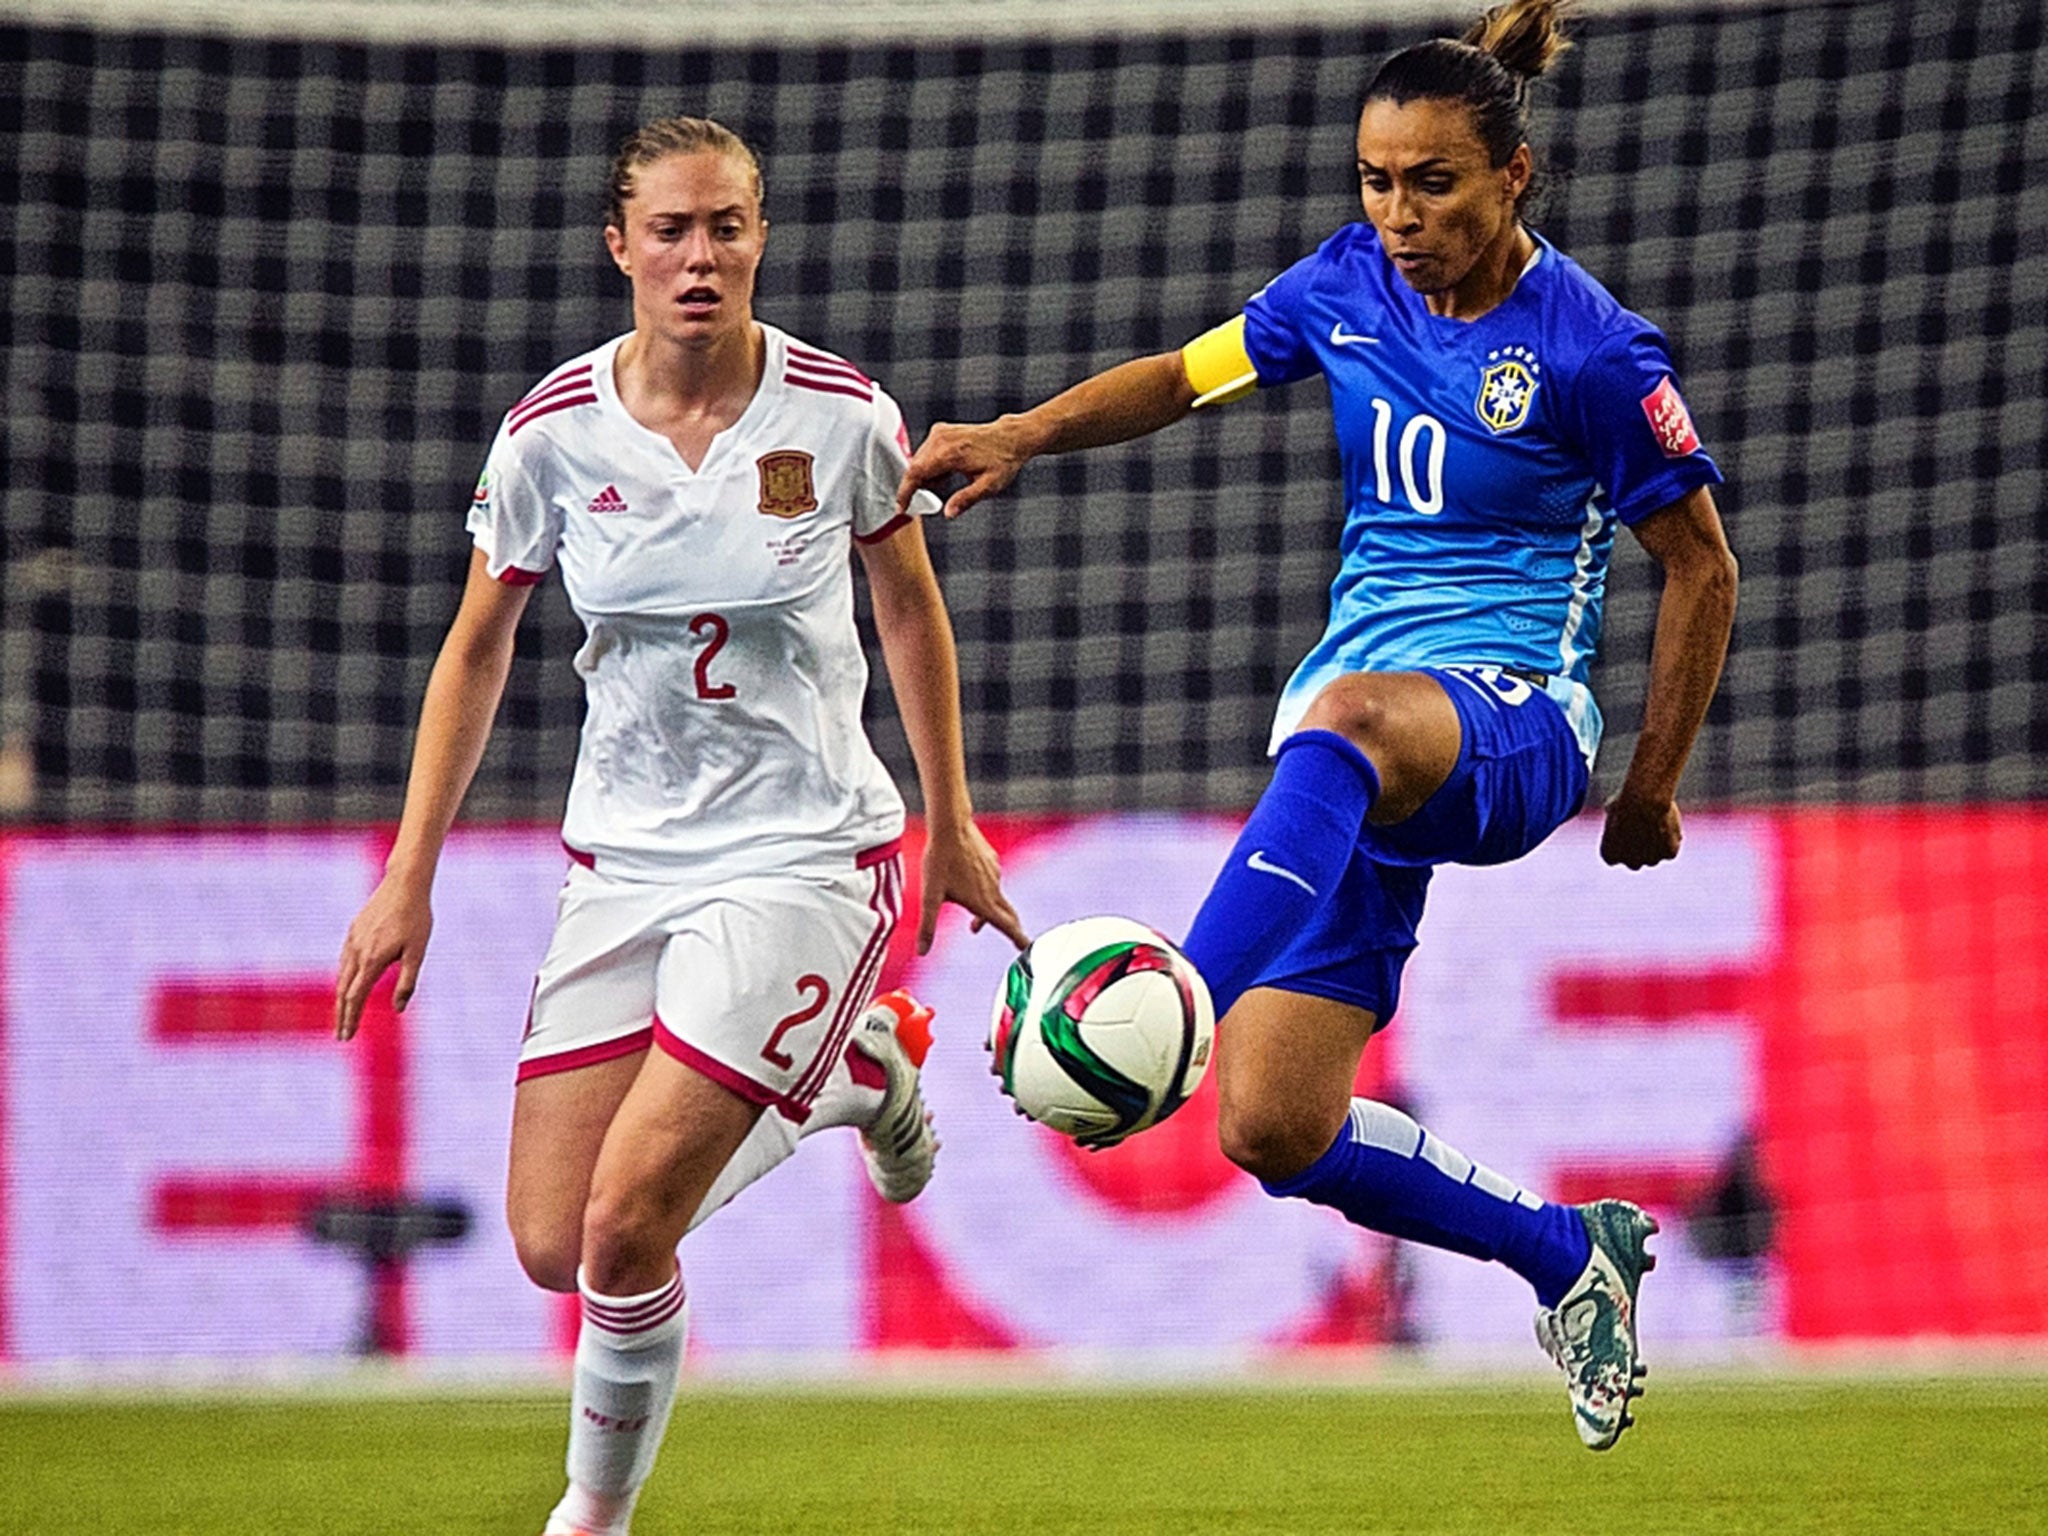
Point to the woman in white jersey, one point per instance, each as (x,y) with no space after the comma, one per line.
(735,876)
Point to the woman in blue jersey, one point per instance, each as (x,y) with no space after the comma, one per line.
(1498,413)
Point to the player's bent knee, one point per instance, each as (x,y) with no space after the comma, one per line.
(1270,1147)
(1355,707)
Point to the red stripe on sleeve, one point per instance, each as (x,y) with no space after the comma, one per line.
(852,390)
(825,362)
(547,408)
(554,385)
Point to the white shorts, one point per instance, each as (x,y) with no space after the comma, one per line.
(754,982)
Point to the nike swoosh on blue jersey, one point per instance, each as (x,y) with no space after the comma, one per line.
(1258,861)
(1339,337)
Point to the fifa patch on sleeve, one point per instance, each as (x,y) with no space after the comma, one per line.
(1671,421)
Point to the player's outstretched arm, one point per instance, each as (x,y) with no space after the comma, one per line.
(1694,617)
(924,673)
(455,723)
(1114,406)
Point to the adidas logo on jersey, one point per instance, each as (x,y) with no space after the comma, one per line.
(609,500)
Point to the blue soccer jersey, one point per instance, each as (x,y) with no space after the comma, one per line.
(1485,462)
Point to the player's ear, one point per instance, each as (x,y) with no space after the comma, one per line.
(1518,172)
(615,242)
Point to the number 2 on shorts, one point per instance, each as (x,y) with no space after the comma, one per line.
(772,1052)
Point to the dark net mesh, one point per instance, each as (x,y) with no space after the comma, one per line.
(265,301)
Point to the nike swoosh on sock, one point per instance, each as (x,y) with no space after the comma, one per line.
(1258,860)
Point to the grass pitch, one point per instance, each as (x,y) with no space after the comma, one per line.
(1779,1457)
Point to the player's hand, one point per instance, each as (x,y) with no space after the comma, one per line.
(1640,832)
(988,456)
(392,927)
(961,868)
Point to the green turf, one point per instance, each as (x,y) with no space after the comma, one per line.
(1892,1457)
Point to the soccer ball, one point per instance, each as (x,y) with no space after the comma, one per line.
(1102,1028)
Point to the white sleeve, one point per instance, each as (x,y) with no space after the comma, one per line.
(888,451)
(515,525)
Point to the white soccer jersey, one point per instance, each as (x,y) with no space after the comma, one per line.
(721,663)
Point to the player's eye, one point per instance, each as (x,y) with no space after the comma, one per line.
(1436,186)
(1375,181)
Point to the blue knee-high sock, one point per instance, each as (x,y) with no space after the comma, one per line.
(1286,862)
(1386,1172)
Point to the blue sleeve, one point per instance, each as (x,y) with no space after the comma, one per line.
(1632,425)
(1274,337)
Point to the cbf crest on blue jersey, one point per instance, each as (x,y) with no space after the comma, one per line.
(1507,388)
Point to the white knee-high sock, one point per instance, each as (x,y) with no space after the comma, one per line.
(628,1356)
(852,1095)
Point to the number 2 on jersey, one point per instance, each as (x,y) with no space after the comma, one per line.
(714,625)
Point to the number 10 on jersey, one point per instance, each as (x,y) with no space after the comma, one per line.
(1427,497)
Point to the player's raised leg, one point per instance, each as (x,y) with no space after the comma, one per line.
(1371,745)
(672,1134)
(771,992)
(875,1088)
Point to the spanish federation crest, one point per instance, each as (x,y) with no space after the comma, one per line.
(1507,388)
(786,488)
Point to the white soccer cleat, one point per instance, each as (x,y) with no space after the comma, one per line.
(899,1145)
(1591,1333)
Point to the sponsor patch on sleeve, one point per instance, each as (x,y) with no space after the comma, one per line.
(1671,421)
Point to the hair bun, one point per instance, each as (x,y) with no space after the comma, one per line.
(1525,37)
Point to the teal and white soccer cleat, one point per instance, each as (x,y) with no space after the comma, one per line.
(899,1146)
(1591,1333)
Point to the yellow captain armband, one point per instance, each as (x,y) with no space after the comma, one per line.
(1218,367)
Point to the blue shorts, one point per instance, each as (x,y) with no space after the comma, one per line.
(1520,775)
